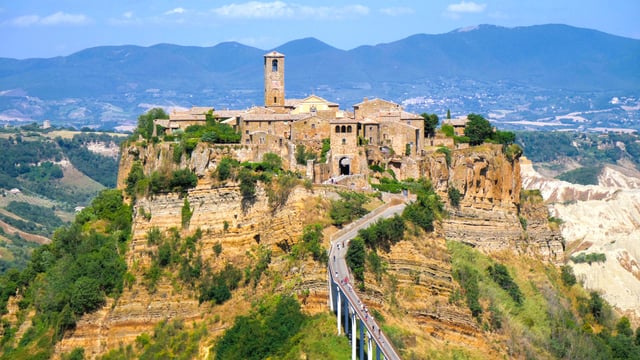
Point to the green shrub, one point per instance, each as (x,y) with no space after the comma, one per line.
(567,275)
(454,196)
(264,334)
(347,209)
(218,287)
(589,258)
(355,258)
(467,277)
(447,154)
(447,130)
(500,275)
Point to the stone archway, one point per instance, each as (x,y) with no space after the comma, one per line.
(345,166)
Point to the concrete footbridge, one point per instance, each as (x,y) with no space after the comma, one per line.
(351,313)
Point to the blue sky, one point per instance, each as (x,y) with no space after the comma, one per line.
(44,28)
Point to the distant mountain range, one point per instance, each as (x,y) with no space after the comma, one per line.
(111,84)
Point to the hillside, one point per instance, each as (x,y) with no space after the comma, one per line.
(599,219)
(214,266)
(47,175)
(591,75)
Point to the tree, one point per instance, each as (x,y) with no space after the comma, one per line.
(355,258)
(145,122)
(477,129)
(430,124)
(448,114)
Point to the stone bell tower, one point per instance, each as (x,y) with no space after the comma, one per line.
(274,79)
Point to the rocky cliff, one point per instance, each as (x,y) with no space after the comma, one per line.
(604,219)
(490,214)
(415,295)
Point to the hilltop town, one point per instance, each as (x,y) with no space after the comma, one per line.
(376,132)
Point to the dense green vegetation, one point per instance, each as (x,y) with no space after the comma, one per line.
(32,159)
(430,124)
(349,208)
(71,276)
(585,175)
(591,150)
(212,131)
(311,243)
(545,315)
(137,184)
(15,251)
(44,220)
(427,207)
(102,169)
(268,332)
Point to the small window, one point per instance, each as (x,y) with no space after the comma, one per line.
(343,129)
(246,132)
(275,100)
(313,126)
(349,128)
(337,129)
(274,65)
(344,141)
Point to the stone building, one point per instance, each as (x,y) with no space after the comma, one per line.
(283,124)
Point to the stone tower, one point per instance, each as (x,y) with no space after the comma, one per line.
(274,79)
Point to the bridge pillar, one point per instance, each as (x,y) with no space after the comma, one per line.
(377,352)
(331,299)
(361,340)
(346,315)
(339,307)
(354,332)
(369,347)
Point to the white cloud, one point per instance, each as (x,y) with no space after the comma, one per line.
(64,18)
(280,9)
(128,15)
(26,20)
(177,10)
(466,7)
(397,11)
(59,18)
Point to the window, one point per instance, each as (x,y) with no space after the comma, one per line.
(343,129)
(337,129)
(313,126)
(344,141)
(349,128)
(274,65)
(275,99)
(246,132)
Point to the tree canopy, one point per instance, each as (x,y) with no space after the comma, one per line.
(430,124)
(478,129)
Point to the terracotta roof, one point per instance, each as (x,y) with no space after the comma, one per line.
(186,117)
(225,114)
(197,110)
(273,117)
(292,102)
(461,121)
(405,115)
(375,100)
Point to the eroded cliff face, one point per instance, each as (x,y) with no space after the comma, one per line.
(603,218)
(489,214)
(420,282)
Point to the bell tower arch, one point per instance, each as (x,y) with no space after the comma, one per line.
(274,79)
